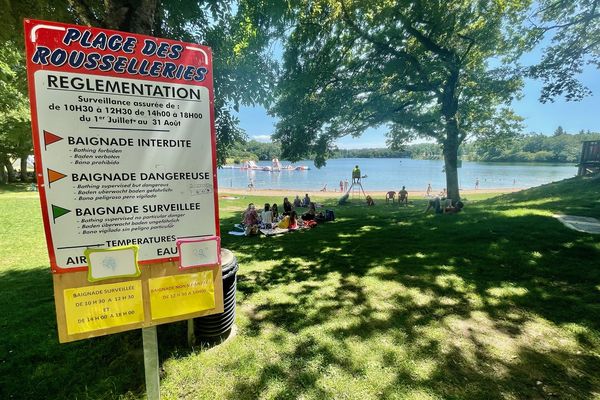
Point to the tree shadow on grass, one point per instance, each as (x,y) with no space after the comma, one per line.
(552,268)
(510,272)
(34,365)
(575,196)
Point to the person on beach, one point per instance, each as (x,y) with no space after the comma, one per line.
(454,208)
(356,174)
(266,216)
(341,186)
(345,185)
(435,205)
(403,196)
(310,214)
(251,185)
(289,221)
(287,206)
(476,183)
(297,202)
(306,200)
(250,220)
(429,190)
(444,206)
(250,216)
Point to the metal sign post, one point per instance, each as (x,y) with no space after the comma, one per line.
(125,150)
(151,368)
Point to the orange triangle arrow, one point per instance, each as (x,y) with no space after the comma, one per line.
(50,138)
(54,176)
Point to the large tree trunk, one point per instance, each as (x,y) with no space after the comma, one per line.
(24,168)
(451,160)
(3,176)
(135,16)
(9,169)
(449,102)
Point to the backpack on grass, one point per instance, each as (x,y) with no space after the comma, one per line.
(329,215)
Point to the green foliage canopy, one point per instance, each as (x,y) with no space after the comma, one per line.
(574,28)
(422,68)
(15,129)
(244,73)
(563,148)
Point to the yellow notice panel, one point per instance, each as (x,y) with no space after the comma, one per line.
(103,306)
(181,294)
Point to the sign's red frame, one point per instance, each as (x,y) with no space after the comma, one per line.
(50,34)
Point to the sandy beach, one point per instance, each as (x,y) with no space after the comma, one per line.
(291,193)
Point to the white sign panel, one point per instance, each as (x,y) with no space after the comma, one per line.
(124,141)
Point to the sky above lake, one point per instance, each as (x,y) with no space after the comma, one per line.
(539,117)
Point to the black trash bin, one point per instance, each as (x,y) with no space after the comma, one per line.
(216,326)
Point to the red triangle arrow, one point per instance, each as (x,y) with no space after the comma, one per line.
(50,138)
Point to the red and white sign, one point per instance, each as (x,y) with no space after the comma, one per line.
(123,132)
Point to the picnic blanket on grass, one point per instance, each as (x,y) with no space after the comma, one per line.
(275,231)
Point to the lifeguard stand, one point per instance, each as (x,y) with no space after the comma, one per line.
(589,162)
(356,189)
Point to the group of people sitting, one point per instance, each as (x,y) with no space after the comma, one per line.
(441,204)
(444,205)
(269,218)
(391,195)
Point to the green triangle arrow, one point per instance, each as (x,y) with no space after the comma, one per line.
(58,212)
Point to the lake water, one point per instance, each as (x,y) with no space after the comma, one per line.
(393,173)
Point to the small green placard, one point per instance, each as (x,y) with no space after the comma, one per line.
(115,262)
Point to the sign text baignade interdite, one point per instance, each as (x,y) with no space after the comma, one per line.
(124,141)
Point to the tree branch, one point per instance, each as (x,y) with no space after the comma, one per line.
(387,47)
(426,41)
(84,12)
(469,47)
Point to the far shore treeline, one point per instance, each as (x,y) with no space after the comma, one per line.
(561,147)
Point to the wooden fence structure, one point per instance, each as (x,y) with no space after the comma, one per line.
(589,162)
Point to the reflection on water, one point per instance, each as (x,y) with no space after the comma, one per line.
(393,173)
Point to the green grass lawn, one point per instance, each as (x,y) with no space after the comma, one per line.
(498,302)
